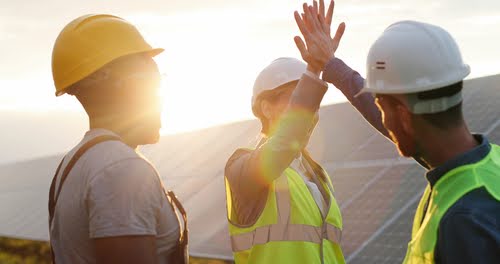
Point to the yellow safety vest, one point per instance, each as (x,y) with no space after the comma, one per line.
(291,228)
(449,189)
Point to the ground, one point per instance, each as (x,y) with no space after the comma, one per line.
(18,251)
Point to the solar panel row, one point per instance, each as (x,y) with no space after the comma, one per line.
(377,191)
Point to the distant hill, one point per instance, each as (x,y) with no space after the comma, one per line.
(28,135)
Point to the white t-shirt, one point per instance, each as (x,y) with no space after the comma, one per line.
(111,191)
(298,166)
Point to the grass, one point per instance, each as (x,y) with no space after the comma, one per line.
(19,251)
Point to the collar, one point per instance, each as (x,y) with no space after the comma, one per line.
(95,132)
(470,157)
(297,162)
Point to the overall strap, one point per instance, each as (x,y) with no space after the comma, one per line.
(181,254)
(53,195)
(52,191)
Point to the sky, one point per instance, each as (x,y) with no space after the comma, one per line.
(215,49)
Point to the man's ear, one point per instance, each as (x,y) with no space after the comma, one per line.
(405,117)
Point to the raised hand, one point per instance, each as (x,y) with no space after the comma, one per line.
(314,24)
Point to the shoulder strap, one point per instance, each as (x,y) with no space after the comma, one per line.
(53,195)
(181,254)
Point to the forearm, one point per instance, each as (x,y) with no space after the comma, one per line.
(293,130)
(349,82)
(126,249)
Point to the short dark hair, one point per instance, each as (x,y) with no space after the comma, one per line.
(89,91)
(450,118)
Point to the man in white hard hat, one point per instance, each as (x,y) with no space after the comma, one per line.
(107,203)
(414,76)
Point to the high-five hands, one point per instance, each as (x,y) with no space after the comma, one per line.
(319,46)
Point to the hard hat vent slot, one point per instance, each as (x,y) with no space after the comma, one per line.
(380,65)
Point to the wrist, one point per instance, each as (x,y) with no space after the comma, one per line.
(327,61)
(313,70)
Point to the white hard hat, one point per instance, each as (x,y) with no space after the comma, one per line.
(281,71)
(411,57)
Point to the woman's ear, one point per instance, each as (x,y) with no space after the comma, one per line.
(266,109)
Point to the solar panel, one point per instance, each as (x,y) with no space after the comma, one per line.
(347,181)
(389,246)
(376,190)
(481,108)
(369,211)
(494,136)
(379,147)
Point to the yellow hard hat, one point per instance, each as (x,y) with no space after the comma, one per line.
(88,43)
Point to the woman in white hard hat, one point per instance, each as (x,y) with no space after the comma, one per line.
(280,202)
(415,70)
(276,192)
(107,203)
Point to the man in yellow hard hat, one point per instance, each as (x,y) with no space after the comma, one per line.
(107,203)
(415,76)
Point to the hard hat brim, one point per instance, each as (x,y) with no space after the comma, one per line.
(402,89)
(155,52)
(151,52)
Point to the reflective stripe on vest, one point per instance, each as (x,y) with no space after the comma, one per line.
(283,231)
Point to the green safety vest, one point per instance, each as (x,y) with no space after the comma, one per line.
(449,189)
(290,228)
